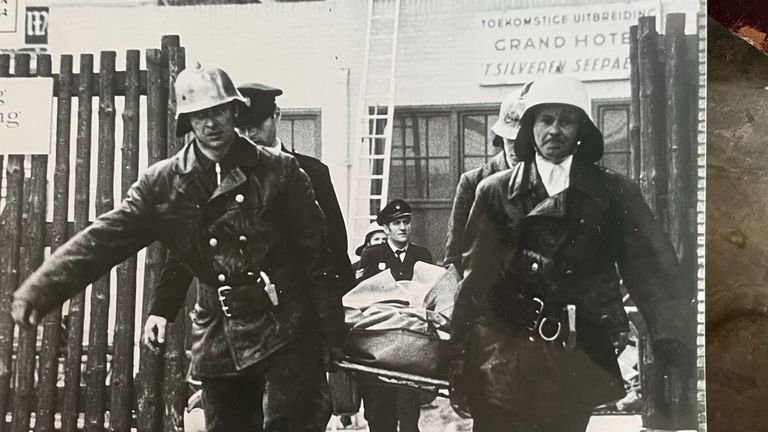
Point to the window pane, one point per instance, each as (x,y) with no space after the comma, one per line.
(420,138)
(615,128)
(473,162)
(618,162)
(408,139)
(440,185)
(439,141)
(474,134)
(396,178)
(415,179)
(397,138)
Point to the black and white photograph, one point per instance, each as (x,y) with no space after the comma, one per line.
(352,215)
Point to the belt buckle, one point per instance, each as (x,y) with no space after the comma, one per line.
(539,311)
(222,299)
(552,337)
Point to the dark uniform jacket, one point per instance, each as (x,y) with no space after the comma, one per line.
(174,280)
(571,248)
(462,203)
(262,217)
(376,259)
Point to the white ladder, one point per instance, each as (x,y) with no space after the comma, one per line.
(376,107)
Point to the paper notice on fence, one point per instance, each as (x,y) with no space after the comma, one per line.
(25,115)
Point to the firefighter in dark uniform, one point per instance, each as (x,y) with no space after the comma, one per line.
(244,221)
(386,406)
(539,318)
(505,128)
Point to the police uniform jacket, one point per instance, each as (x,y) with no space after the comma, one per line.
(262,217)
(462,203)
(571,248)
(376,259)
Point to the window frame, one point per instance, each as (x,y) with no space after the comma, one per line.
(598,105)
(314,114)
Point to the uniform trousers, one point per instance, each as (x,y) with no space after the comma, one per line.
(385,406)
(287,392)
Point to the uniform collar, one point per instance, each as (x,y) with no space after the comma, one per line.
(243,153)
(584,176)
(395,249)
(545,168)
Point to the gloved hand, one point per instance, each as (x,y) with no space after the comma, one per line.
(24,314)
(154,332)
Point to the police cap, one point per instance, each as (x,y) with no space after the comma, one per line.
(396,208)
(261,102)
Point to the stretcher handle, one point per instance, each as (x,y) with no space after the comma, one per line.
(343,364)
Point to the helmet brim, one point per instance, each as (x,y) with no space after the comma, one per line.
(591,140)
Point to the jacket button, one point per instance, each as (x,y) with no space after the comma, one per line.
(213,242)
(243,239)
(239,198)
(569,272)
(250,274)
(222,278)
(582,221)
(535,267)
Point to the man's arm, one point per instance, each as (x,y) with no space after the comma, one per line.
(113,237)
(462,203)
(170,289)
(308,234)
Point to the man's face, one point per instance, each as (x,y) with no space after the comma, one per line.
(399,229)
(556,130)
(265,134)
(214,127)
(378,238)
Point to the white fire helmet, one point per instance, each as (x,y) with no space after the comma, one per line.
(200,87)
(510,113)
(561,90)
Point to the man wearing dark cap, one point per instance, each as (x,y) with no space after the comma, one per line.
(259,124)
(397,254)
(236,216)
(386,406)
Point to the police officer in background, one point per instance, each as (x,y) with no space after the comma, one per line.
(505,128)
(539,318)
(398,253)
(244,221)
(386,406)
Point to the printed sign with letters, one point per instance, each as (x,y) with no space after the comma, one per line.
(25,115)
(36,28)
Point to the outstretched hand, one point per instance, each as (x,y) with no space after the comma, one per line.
(154,332)
(24,315)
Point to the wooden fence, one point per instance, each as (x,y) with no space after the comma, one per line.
(663,127)
(32,362)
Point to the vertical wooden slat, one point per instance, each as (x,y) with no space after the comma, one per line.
(174,386)
(32,250)
(652,150)
(49,356)
(151,366)
(634,106)
(96,367)
(10,238)
(121,388)
(75,320)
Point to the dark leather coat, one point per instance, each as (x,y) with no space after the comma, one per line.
(262,217)
(462,203)
(572,248)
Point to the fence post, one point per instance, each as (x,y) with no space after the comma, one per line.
(174,383)
(634,106)
(32,247)
(150,367)
(121,387)
(49,356)
(96,368)
(75,320)
(10,236)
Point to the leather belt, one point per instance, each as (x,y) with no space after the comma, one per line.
(549,324)
(238,301)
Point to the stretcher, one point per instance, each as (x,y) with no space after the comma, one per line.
(363,373)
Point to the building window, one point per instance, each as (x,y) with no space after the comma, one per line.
(612,118)
(299,131)
(477,139)
(420,164)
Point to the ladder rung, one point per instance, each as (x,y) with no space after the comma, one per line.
(371,176)
(375,116)
(379,57)
(374,136)
(382,37)
(368,197)
(378,77)
(382,17)
(371,157)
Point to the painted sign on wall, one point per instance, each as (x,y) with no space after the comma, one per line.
(588,42)
(25,115)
